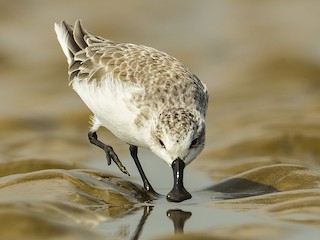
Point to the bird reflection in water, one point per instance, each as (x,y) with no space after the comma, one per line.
(178,217)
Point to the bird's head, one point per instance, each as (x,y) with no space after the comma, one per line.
(177,137)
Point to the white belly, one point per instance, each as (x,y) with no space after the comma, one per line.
(110,104)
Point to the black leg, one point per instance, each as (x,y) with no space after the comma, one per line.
(146,212)
(146,183)
(110,154)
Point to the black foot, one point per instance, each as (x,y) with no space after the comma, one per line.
(178,192)
(110,154)
(146,183)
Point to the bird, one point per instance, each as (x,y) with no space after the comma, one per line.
(144,96)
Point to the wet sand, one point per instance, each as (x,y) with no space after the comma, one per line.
(259,174)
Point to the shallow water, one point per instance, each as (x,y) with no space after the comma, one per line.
(259,174)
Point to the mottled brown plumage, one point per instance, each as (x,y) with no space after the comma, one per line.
(94,57)
(144,96)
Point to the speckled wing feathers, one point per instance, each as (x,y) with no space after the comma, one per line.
(92,58)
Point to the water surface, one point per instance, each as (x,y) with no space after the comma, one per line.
(258,176)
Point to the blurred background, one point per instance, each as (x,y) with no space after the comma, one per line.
(259,59)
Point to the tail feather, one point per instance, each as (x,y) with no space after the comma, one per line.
(79,34)
(70,38)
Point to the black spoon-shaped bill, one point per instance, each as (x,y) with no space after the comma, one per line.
(178,193)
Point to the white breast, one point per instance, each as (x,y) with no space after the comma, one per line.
(110,104)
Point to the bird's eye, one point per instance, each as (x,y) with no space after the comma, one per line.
(194,142)
(161,143)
